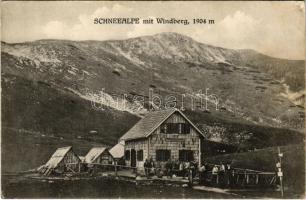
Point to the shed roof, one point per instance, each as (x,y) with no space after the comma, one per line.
(117,151)
(94,153)
(57,157)
(151,122)
(82,158)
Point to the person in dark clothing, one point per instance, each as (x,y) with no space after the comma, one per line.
(206,171)
(222,174)
(193,167)
(231,176)
(152,167)
(147,167)
(175,167)
(168,167)
(227,174)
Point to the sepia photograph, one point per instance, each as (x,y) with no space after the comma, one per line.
(153,100)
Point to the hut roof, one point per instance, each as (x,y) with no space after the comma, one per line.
(117,151)
(57,157)
(150,123)
(94,153)
(82,158)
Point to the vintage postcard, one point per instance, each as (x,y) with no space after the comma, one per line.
(103,99)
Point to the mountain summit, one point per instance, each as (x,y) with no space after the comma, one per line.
(249,85)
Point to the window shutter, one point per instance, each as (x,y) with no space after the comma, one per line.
(140,155)
(127,154)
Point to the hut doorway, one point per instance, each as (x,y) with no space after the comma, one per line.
(133,158)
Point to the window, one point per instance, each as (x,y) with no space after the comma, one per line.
(185,128)
(110,160)
(163,128)
(173,128)
(105,157)
(127,155)
(186,155)
(140,155)
(163,155)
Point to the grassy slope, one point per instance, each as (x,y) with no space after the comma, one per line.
(258,136)
(291,71)
(39,107)
(265,159)
(38,118)
(22,151)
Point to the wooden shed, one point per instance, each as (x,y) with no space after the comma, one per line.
(98,155)
(63,160)
(117,153)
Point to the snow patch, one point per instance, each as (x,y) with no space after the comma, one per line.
(71,72)
(86,72)
(100,98)
(128,56)
(296,98)
(74,69)
(29,53)
(66,77)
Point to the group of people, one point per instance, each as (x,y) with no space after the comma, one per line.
(180,168)
(220,174)
(213,174)
(149,167)
(170,168)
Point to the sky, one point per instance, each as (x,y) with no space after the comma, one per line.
(274,28)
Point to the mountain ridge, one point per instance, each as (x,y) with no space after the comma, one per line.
(163,34)
(162,60)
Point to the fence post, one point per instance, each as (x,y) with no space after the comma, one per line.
(116,173)
(280,172)
(190,177)
(217,179)
(247,178)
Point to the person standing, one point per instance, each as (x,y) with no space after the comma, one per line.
(181,169)
(222,174)
(193,167)
(176,167)
(168,166)
(202,173)
(147,167)
(152,166)
(215,175)
(228,174)
(186,169)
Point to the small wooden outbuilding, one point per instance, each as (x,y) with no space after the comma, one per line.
(98,155)
(63,160)
(117,153)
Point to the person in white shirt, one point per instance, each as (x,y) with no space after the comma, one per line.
(202,174)
(215,174)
